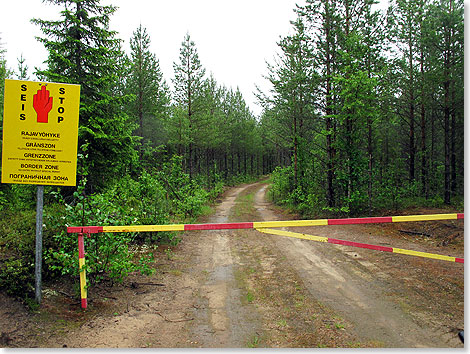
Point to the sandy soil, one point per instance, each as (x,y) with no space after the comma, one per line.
(242,288)
(380,293)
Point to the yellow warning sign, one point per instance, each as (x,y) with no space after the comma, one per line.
(40,133)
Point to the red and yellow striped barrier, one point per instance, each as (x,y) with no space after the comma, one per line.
(262,227)
(262,224)
(360,245)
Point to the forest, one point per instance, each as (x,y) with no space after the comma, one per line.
(364,115)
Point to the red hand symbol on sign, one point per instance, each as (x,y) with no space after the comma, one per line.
(42,104)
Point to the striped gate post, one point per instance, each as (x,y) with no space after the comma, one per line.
(81,267)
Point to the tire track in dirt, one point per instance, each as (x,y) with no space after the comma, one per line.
(221,319)
(341,279)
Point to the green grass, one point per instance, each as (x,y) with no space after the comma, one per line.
(250,297)
(254,342)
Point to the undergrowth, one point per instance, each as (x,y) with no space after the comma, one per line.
(388,195)
(162,196)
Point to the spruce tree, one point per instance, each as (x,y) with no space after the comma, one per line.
(22,69)
(83,50)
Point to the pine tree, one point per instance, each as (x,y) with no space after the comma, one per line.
(406,24)
(322,19)
(293,88)
(83,50)
(146,83)
(189,85)
(4,74)
(448,43)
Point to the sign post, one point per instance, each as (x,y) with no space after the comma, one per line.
(40,138)
(38,264)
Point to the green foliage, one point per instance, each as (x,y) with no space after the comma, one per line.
(127,202)
(340,124)
(17,239)
(129,128)
(188,81)
(187,196)
(146,200)
(17,275)
(369,112)
(82,50)
(281,187)
(151,97)
(153,198)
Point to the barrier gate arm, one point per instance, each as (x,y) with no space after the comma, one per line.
(360,245)
(263,224)
(262,227)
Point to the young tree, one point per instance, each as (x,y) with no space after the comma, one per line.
(406,25)
(188,83)
(22,69)
(322,19)
(146,83)
(5,73)
(293,90)
(374,35)
(3,76)
(423,94)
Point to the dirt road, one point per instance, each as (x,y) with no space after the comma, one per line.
(355,283)
(242,288)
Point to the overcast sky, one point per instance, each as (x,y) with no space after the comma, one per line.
(234,39)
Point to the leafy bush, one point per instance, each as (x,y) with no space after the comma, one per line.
(150,199)
(158,197)
(282,182)
(311,205)
(3,200)
(17,275)
(187,196)
(17,240)
(128,202)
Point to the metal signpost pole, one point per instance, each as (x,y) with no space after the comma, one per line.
(39,212)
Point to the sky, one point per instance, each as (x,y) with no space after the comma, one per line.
(234,39)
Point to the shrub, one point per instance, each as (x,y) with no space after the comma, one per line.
(158,197)
(282,182)
(17,245)
(128,202)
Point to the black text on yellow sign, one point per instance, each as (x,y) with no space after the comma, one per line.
(40,133)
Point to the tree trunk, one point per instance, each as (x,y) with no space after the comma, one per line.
(328,111)
(423,124)
(453,167)
(447,187)
(446,84)
(295,150)
(412,108)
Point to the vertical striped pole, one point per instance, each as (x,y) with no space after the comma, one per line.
(81,265)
